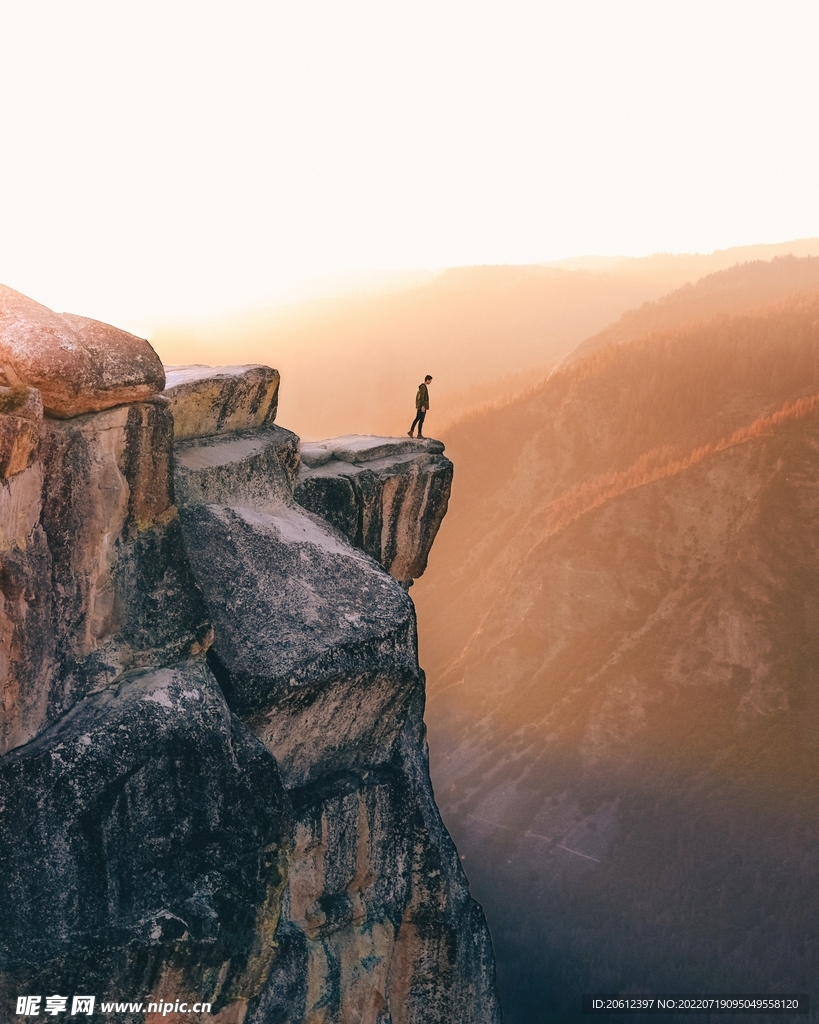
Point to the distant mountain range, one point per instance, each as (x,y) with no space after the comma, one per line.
(620,637)
(738,289)
(351,364)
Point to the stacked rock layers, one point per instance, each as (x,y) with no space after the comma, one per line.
(213,781)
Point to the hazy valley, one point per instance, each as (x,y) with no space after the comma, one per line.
(621,649)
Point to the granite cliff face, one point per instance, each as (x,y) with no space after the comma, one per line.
(214,782)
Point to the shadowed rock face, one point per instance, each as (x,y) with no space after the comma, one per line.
(21,423)
(386,495)
(95,580)
(158,837)
(259,832)
(78,365)
(369,861)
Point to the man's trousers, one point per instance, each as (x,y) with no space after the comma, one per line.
(419,419)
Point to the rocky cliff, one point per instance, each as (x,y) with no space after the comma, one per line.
(214,782)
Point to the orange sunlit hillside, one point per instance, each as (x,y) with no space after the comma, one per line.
(675,391)
(660,463)
(618,627)
(738,289)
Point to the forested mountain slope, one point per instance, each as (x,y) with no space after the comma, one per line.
(624,691)
(739,289)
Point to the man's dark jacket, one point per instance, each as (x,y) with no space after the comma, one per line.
(422,398)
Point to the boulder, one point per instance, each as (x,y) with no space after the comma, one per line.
(143,845)
(78,365)
(314,645)
(207,400)
(386,495)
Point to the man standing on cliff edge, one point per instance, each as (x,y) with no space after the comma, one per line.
(421,406)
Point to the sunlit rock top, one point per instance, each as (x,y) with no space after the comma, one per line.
(360,448)
(78,365)
(387,495)
(209,400)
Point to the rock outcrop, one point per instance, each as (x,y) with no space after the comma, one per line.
(95,578)
(208,400)
(143,843)
(213,781)
(78,365)
(386,495)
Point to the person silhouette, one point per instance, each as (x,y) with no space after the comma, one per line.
(421,406)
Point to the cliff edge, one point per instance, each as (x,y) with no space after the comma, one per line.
(213,773)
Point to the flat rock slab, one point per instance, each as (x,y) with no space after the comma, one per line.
(78,365)
(314,644)
(254,469)
(208,400)
(362,448)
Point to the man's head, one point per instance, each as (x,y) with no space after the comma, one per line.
(427,379)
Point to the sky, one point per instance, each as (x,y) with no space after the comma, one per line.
(173,160)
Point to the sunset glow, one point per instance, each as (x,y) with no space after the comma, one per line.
(171,162)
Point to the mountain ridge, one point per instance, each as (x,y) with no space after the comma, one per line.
(483,333)
(624,698)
